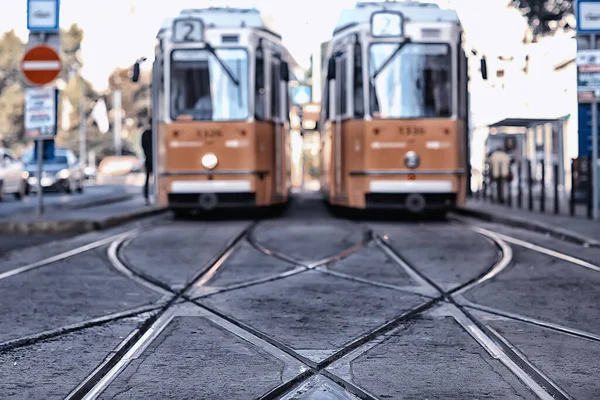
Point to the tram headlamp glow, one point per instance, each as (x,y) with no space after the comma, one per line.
(209,161)
(411,160)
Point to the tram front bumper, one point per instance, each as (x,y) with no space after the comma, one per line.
(209,194)
(414,196)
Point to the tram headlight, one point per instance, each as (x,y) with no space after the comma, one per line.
(411,159)
(209,161)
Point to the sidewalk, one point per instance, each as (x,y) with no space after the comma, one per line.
(79,220)
(577,228)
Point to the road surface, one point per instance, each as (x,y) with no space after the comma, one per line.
(302,306)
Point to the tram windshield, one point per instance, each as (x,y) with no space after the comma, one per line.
(210,85)
(411,80)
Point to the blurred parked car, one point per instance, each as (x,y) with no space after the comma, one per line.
(120,165)
(63,173)
(13,177)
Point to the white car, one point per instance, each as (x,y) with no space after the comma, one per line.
(13,176)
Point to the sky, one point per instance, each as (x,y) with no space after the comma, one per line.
(116,32)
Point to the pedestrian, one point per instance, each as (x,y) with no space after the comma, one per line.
(148,164)
(500,169)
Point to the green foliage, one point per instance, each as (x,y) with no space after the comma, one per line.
(11,89)
(70,43)
(12,100)
(546,16)
(135,97)
(11,52)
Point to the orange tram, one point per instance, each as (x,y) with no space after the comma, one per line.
(394,115)
(220,106)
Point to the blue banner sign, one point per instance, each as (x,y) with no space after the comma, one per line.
(585,129)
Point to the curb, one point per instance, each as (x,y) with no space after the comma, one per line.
(75,205)
(93,203)
(529,225)
(76,226)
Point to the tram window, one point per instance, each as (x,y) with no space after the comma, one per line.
(359,106)
(210,87)
(325,101)
(260,113)
(463,83)
(275,91)
(411,81)
(342,109)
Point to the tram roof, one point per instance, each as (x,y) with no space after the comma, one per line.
(412,10)
(225,17)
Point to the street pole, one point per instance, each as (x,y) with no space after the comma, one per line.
(117,125)
(40,167)
(82,123)
(594,172)
(43,24)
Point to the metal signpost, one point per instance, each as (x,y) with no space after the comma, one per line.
(40,66)
(588,79)
(41,109)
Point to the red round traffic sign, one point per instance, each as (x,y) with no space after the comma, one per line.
(41,65)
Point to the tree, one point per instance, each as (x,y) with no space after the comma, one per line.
(12,100)
(12,86)
(70,43)
(11,89)
(11,52)
(135,97)
(546,16)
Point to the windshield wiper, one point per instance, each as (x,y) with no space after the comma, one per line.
(223,65)
(390,58)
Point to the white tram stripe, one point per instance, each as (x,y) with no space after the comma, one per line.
(228,186)
(391,186)
(41,65)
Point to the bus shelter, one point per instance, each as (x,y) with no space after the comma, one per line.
(537,140)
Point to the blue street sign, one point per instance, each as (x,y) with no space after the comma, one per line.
(301,95)
(588,16)
(48,152)
(43,15)
(585,129)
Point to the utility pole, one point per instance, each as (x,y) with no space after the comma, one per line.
(82,122)
(117,123)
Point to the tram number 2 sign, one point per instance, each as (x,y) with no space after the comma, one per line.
(188,30)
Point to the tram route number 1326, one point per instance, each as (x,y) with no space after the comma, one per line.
(411,130)
(187,30)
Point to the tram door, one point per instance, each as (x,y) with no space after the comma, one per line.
(338,81)
(157,115)
(276,116)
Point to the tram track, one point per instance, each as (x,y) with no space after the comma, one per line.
(537,382)
(95,383)
(138,342)
(497,345)
(155,322)
(458,294)
(146,336)
(313,368)
(34,338)
(480,333)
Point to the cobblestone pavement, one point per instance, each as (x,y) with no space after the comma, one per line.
(301,306)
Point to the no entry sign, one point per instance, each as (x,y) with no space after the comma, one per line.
(41,65)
